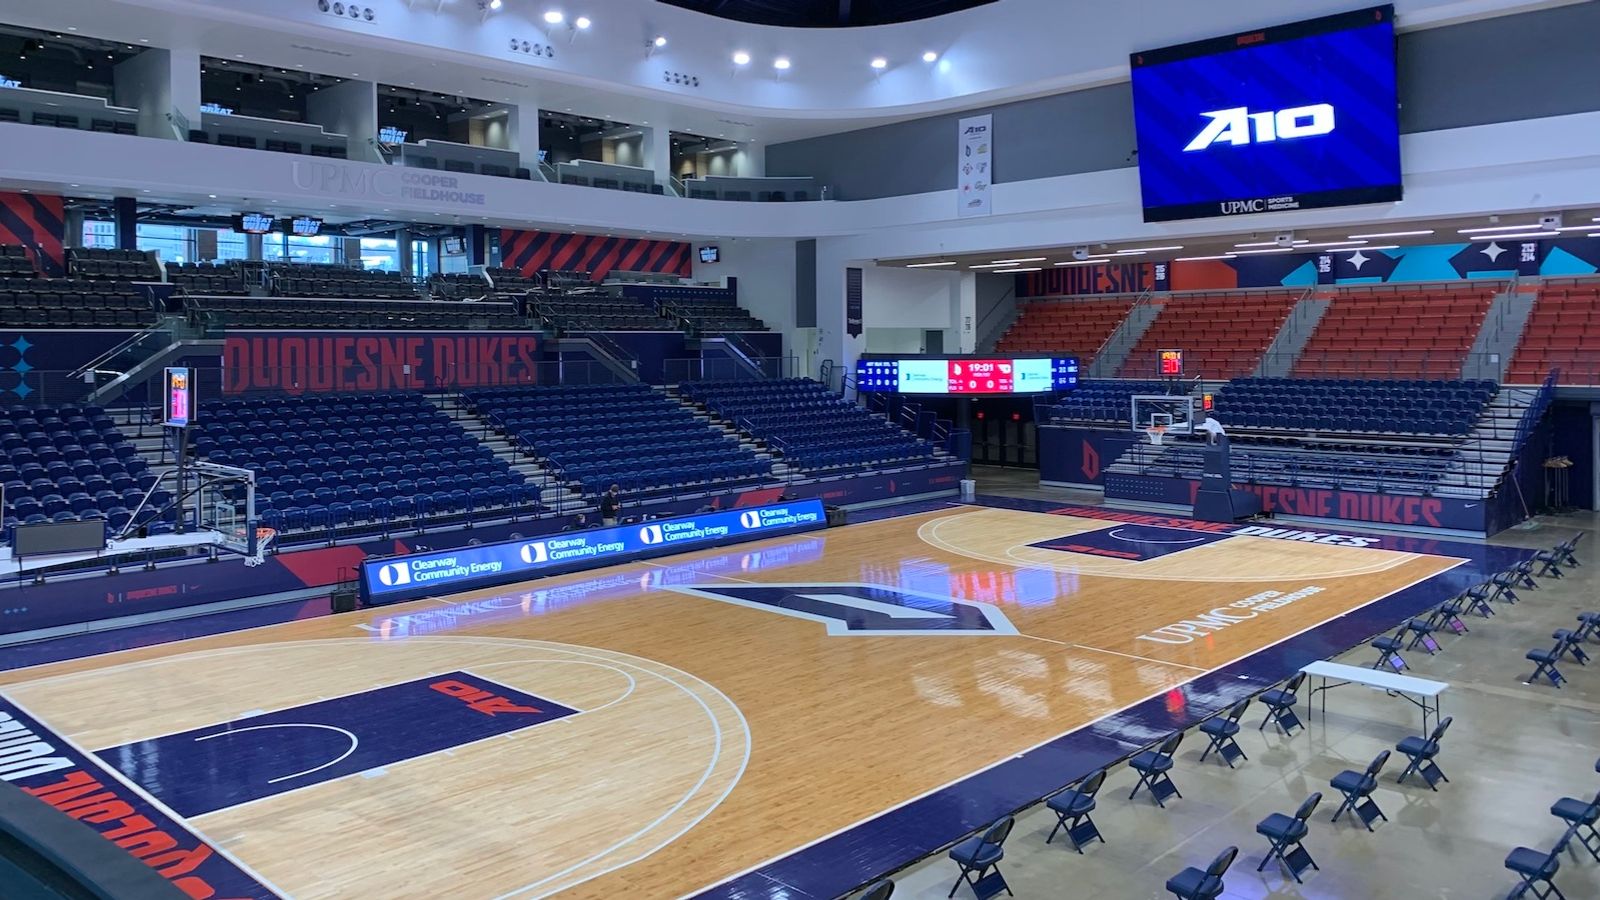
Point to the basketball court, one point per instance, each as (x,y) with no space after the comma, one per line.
(807,711)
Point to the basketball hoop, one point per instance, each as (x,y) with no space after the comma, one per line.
(1156,432)
(264,537)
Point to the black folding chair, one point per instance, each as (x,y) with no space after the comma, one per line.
(1222,730)
(979,858)
(1357,788)
(1280,704)
(1072,809)
(1421,751)
(1154,767)
(1285,833)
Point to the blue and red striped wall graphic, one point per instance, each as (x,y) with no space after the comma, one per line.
(38,222)
(530,251)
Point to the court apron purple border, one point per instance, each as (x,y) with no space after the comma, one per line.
(886,843)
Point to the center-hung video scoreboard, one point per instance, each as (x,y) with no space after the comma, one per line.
(960,376)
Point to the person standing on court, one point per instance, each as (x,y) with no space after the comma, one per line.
(610,505)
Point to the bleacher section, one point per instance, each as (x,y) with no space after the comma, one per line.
(1332,467)
(594,436)
(1101,401)
(573,313)
(293,312)
(1382,331)
(814,429)
(457,286)
(1222,335)
(334,281)
(716,318)
(1562,332)
(1448,408)
(1076,327)
(222,279)
(69,463)
(335,460)
(99,264)
(511,280)
(28,302)
(14,262)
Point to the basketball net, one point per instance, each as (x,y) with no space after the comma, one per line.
(264,538)
(1156,432)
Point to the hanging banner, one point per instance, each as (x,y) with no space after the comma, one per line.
(975,166)
(852,302)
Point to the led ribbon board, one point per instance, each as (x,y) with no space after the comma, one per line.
(967,376)
(436,573)
(1295,116)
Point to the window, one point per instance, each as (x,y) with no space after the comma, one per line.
(100,235)
(419,259)
(171,243)
(380,253)
(232,245)
(294,248)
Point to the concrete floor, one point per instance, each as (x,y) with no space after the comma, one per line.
(1512,751)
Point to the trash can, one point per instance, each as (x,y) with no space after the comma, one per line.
(969,489)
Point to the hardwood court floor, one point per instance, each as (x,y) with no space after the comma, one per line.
(718,723)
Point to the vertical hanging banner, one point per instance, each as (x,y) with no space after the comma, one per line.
(975,166)
(852,302)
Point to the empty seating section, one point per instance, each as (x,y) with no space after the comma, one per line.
(70,463)
(815,430)
(220,279)
(294,312)
(14,262)
(1102,401)
(713,317)
(1449,408)
(326,280)
(342,459)
(100,264)
(511,280)
(1562,332)
(1222,336)
(598,312)
(1396,332)
(457,286)
(1329,466)
(28,302)
(1074,327)
(594,436)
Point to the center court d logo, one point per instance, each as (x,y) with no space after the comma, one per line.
(394,575)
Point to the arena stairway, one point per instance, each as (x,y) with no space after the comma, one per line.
(554,493)
(780,469)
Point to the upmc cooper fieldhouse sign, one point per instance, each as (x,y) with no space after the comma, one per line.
(396,578)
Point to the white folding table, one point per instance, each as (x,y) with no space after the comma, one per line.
(1420,692)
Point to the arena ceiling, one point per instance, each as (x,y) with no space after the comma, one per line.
(826,13)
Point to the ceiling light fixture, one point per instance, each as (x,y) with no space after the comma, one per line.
(1489,229)
(930,56)
(1350,244)
(1516,236)
(1268,250)
(1203,258)
(1008,262)
(554,17)
(1081,262)
(583,23)
(1393,234)
(781,63)
(880,63)
(1014,271)
(1151,249)
(929,265)
(741,58)
(1270,243)
(989,266)
(494,4)
(660,41)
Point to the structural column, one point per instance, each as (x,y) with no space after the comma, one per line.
(164,85)
(125,215)
(351,109)
(656,152)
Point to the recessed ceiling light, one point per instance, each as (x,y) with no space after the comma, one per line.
(1516,236)
(1268,250)
(1335,244)
(1014,271)
(1010,262)
(879,63)
(1271,243)
(554,17)
(1526,226)
(1151,249)
(926,265)
(741,58)
(494,4)
(582,22)
(660,41)
(1390,234)
(930,56)
(212,196)
(781,63)
(1200,258)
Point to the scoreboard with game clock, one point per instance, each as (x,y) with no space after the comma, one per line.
(967,376)
(1169,363)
